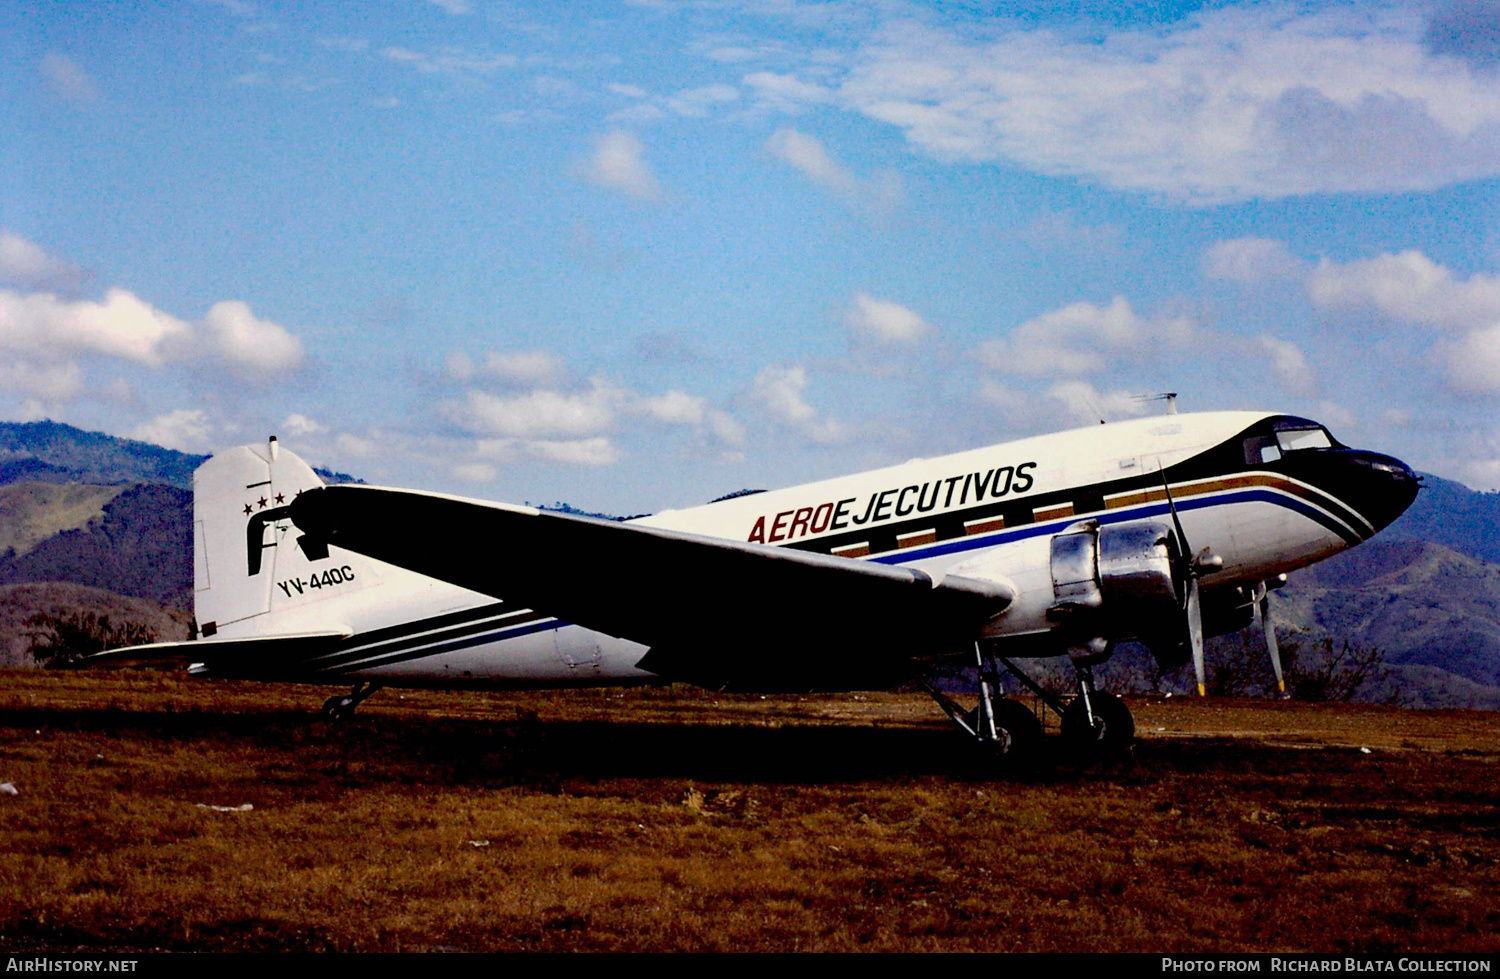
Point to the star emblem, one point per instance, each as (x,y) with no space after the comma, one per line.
(262,502)
(280,498)
(248,508)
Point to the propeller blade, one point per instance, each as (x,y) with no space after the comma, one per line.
(1268,629)
(1187,549)
(1192,608)
(1194,612)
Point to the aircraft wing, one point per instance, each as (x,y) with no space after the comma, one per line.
(713,611)
(257,653)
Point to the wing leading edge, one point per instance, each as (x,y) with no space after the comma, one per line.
(713,611)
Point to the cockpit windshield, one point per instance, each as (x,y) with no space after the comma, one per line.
(1286,435)
(1292,439)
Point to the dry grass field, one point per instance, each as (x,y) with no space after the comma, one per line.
(683,819)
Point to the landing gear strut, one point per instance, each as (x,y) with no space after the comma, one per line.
(1094,724)
(1004,727)
(339,708)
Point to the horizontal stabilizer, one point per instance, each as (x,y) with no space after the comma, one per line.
(259,652)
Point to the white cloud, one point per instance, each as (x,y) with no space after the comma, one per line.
(597,451)
(1082,339)
(244,341)
(726,428)
(698,102)
(1251,260)
(786,93)
(42,327)
(537,414)
(525,367)
(457,8)
(45,327)
(54,384)
(63,75)
(473,472)
(1223,105)
(693,103)
(187,430)
(452,61)
(619,163)
(1474,361)
(1288,364)
(358,446)
(780,390)
(808,154)
(1409,287)
(675,408)
(24,263)
(884,321)
(299,426)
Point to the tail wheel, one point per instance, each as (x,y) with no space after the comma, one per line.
(1111,734)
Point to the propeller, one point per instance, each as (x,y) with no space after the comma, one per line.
(1268,629)
(1193,567)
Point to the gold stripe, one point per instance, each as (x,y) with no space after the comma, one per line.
(1218,486)
(972,527)
(853,550)
(1051,512)
(919,537)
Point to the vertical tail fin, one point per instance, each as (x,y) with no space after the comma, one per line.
(240,530)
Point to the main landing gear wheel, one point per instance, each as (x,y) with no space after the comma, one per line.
(1005,730)
(1017,739)
(1111,734)
(1025,731)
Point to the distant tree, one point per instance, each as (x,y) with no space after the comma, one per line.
(57,640)
(1326,670)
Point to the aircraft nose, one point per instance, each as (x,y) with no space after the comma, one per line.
(1387,486)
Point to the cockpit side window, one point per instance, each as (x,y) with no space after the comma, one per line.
(1261,449)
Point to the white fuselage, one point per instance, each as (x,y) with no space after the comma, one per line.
(988,514)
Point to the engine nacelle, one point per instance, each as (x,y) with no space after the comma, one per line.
(1115,582)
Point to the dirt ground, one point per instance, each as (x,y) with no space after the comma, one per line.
(157,812)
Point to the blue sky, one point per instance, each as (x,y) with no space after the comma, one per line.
(638,254)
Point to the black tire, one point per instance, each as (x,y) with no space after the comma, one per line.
(1113,733)
(1024,732)
(335,708)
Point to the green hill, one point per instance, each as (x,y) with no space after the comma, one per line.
(141,546)
(51,452)
(1453,515)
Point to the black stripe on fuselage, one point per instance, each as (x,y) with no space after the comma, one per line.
(1224,460)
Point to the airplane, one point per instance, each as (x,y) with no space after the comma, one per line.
(1159,529)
